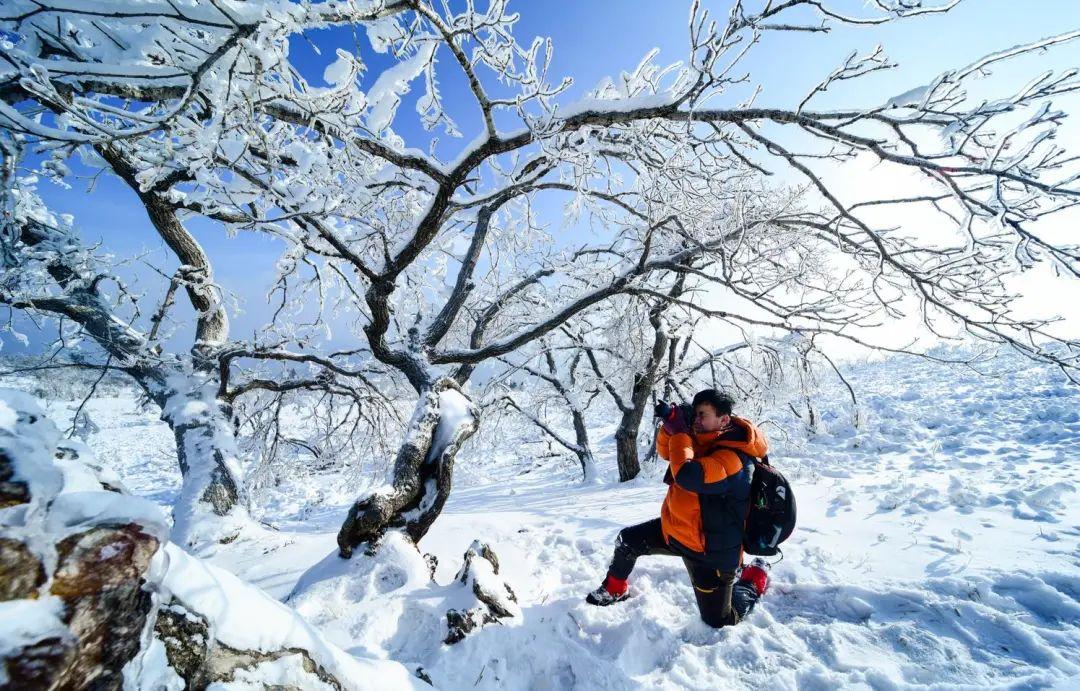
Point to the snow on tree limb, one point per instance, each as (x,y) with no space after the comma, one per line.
(440,263)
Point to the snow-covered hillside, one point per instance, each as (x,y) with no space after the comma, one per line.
(937,545)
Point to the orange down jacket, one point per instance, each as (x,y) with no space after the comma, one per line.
(709,492)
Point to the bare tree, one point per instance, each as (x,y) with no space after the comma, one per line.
(667,162)
(639,340)
(557,395)
(47,271)
(100,57)
(766,376)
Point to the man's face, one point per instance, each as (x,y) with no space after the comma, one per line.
(707,420)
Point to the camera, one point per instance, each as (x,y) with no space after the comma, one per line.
(665,410)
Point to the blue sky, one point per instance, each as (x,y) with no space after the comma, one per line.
(594,39)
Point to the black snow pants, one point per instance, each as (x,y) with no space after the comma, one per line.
(720,601)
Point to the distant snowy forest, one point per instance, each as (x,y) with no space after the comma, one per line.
(412,471)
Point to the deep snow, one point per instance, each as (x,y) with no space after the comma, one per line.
(938,545)
(67,498)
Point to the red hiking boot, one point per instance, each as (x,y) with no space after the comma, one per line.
(612,590)
(756,575)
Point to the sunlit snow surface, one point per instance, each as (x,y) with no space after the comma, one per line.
(937,545)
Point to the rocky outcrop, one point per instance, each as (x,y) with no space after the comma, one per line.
(21,572)
(100,578)
(76,566)
(92,595)
(200,660)
(12,491)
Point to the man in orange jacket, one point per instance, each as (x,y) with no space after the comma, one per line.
(710,463)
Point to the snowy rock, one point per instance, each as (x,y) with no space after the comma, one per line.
(26,435)
(93,596)
(100,578)
(21,573)
(217,629)
(79,573)
(75,459)
(202,661)
(32,640)
(494,598)
(12,491)
(100,559)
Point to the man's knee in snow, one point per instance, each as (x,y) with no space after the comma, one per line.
(717,621)
(713,621)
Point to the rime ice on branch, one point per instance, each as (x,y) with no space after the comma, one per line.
(441,262)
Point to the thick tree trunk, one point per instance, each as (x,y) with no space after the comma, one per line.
(626,436)
(212,506)
(423,471)
(627,452)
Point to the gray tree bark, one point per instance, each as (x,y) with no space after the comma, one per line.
(423,471)
(184,391)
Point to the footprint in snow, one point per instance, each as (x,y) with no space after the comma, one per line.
(585,546)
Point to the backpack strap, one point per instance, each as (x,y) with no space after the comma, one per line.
(747,459)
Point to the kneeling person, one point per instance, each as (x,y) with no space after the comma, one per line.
(709,470)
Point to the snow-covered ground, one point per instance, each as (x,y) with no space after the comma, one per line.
(937,545)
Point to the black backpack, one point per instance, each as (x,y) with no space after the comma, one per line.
(771,516)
